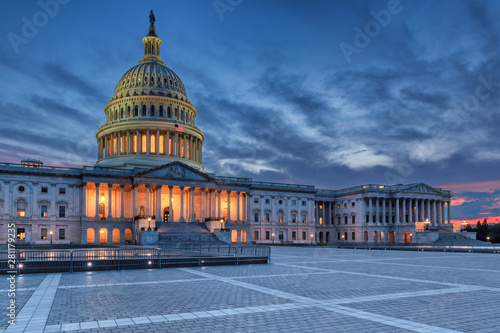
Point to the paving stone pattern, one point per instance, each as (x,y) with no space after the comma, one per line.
(306,289)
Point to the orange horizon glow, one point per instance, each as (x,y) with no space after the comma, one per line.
(486,186)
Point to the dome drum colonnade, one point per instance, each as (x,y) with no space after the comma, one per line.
(150,120)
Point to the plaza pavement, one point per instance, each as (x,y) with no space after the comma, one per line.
(305,289)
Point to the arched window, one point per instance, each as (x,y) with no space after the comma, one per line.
(144,110)
(234,236)
(152,147)
(169,112)
(144,144)
(21,208)
(102,209)
(103,235)
(243,236)
(161,111)
(121,113)
(128,111)
(90,235)
(176,114)
(280,216)
(152,114)
(116,236)
(136,111)
(128,236)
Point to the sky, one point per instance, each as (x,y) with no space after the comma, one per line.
(331,93)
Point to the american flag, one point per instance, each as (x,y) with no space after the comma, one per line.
(179,128)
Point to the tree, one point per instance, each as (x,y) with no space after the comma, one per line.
(494,233)
(482,230)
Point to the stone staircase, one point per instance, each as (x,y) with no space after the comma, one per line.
(185,232)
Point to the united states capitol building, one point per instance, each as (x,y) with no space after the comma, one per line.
(149,173)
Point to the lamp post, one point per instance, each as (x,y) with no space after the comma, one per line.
(221,224)
(149,223)
(464,225)
(427,222)
(273,237)
(51,239)
(312,236)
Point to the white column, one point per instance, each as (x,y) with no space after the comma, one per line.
(159,216)
(403,213)
(202,205)
(110,214)
(84,202)
(122,203)
(157,142)
(147,200)
(238,219)
(391,220)
(383,212)
(171,207)
(428,210)
(182,204)
(370,211)
(397,211)
(434,215)
(193,218)
(219,194)
(410,210)
(134,199)
(96,217)
(443,221)
(139,142)
(228,206)
(377,210)
(128,145)
(417,217)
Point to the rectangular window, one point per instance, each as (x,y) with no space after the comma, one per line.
(267,201)
(338,219)
(320,206)
(62,233)
(43,233)
(62,211)
(353,219)
(21,233)
(345,235)
(134,143)
(280,235)
(294,218)
(256,217)
(345,219)
(114,146)
(152,143)
(304,235)
(345,205)
(255,200)
(144,143)
(320,220)
(45,189)
(256,235)
(294,235)
(294,202)
(338,206)
(267,234)
(43,211)
(267,217)
(162,142)
(353,235)
(353,204)
(303,203)
(304,218)
(338,235)
(62,190)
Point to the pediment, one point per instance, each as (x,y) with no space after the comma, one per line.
(421,188)
(175,170)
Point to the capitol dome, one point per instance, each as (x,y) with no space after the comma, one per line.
(150,120)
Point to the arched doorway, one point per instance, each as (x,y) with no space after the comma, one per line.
(234,236)
(90,236)
(243,236)
(382,237)
(128,236)
(365,237)
(102,211)
(375,237)
(166,214)
(321,237)
(407,237)
(103,235)
(327,236)
(116,236)
(393,233)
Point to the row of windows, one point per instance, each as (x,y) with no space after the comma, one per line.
(280,235)
(21,234)
(182,115)
(43,189)
(268,201)
(159,80)
(344,236)
(21,207)
(280,217)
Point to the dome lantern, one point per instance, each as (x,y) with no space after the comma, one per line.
(151,44)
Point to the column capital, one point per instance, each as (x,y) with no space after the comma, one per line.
(122,186)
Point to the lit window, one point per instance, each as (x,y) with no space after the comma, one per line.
(153,144)
(144,143)
(267,217)
(43,211)
(134,143)
(345,205)
(280,216)
(161,143)
(43,233)
(21,208)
